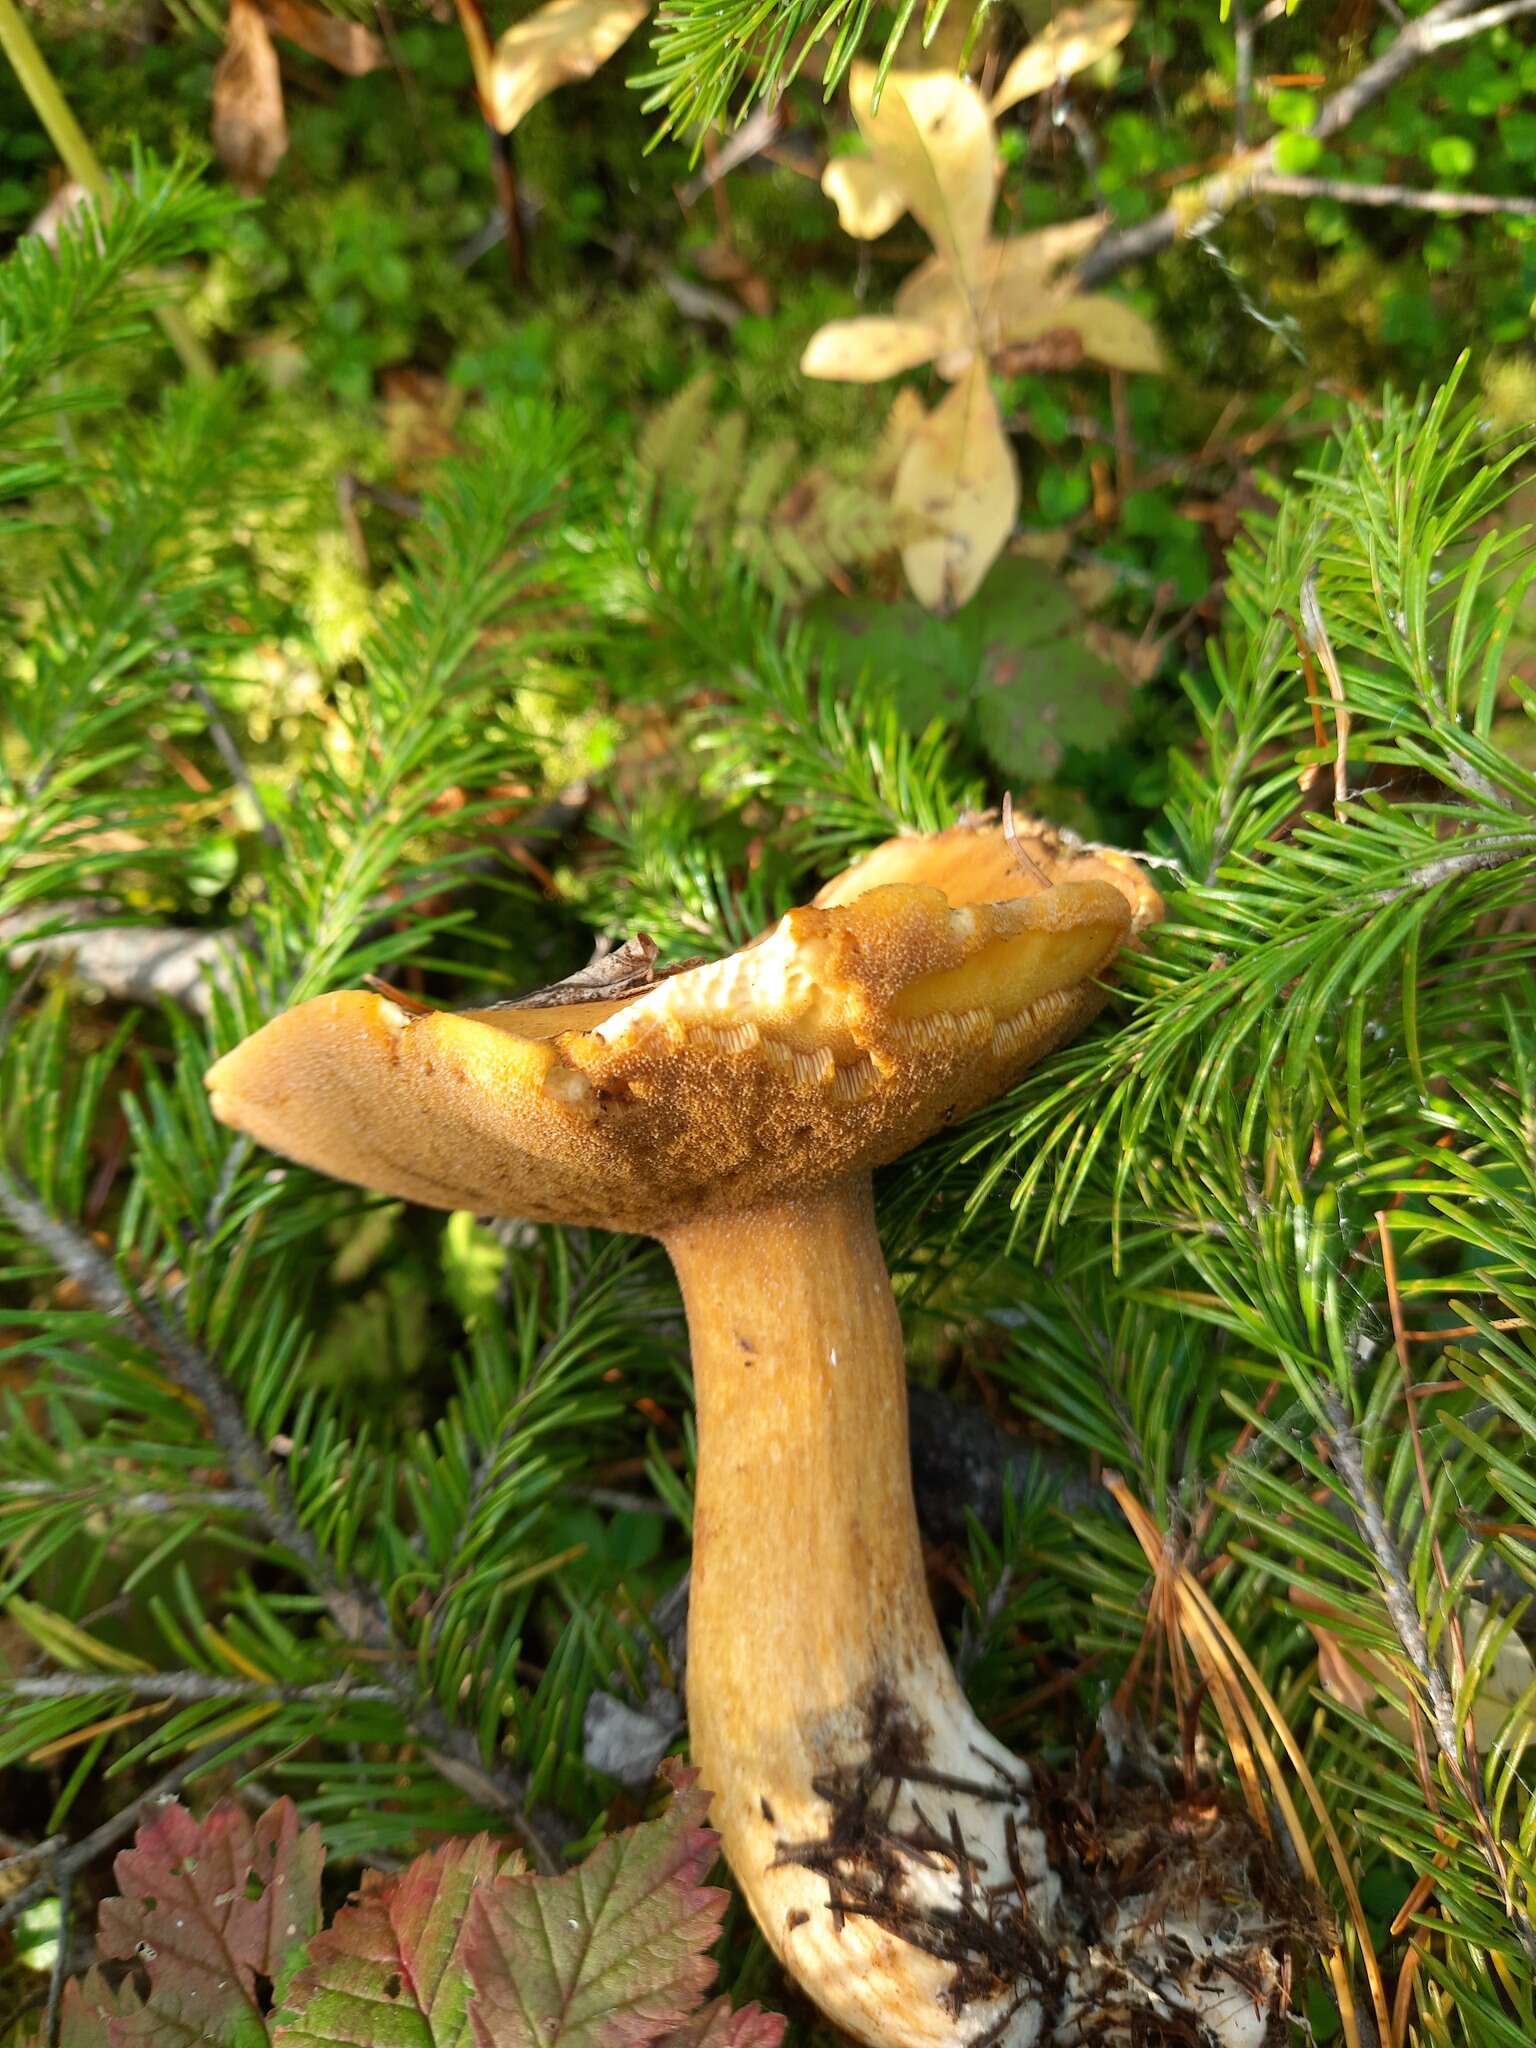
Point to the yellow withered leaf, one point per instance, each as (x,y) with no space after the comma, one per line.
(932,136)
(1035,258)
(1010,279)
(959,477)
(1078,37)
(868,199)
(933,296)
(904,419)
(345,45)
(1111,332)
(864,351)
(559,44)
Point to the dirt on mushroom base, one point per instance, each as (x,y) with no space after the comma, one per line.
(1137,1867)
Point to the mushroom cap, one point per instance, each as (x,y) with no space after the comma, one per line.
(978,862)
(831,1045)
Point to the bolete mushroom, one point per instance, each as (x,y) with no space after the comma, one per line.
(889,1846)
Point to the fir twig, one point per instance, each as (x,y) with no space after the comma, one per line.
(1485,853)
(146,1501)
(80,160)
(1348,1460)
(183,1685)
(358,1612)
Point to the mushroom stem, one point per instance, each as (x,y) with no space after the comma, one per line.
(886,1842)
(807,1562)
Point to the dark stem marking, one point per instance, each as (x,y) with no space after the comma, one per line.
(1108,1963)
(989,1938)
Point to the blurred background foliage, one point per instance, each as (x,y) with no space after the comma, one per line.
(369,296)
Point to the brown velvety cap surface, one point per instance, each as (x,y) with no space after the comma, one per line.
(842,1038)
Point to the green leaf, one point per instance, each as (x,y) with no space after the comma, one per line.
(1035,701)
(1289,107)
(610,1956)
(1296,154)
(1017,652)
(1040,688)
(1452,156)
(390,1969)
(925,664)
(474,1261)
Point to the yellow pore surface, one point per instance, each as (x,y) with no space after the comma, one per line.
(831,1045)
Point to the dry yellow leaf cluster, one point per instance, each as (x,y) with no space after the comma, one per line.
(870,201)
(558,44)
(933,153)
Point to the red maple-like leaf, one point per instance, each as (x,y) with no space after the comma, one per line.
(461,1950)
(88,2008)
(215,1912)
(390,1968)
(611,1955)
(717,2026)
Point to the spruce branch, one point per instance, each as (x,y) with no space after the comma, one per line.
(358,1612)
(179,659)
(184,1686)
(80,160)
(1397,1593)
(145,1501)
(1478,858)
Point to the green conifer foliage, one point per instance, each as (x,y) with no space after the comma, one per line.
(1263,1243)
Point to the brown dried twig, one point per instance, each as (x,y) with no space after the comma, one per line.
(1351,193)
(1316,635)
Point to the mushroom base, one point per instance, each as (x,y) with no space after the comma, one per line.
(913,1896)
(938,1915)
(890,1848)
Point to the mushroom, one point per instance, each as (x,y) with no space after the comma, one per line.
(889,1846)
